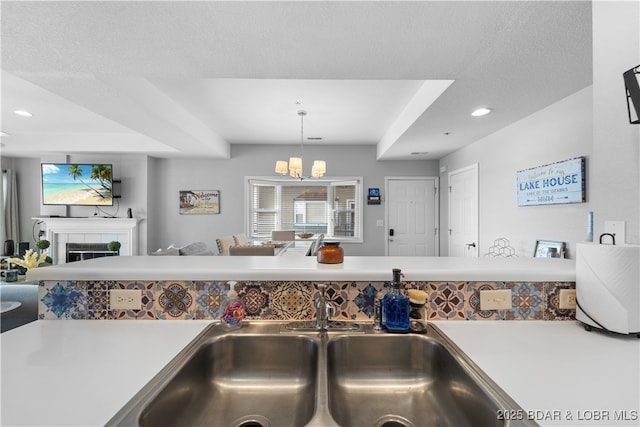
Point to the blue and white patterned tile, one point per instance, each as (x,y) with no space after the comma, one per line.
(365,301)
(62,300)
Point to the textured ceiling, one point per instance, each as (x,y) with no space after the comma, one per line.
(190,78)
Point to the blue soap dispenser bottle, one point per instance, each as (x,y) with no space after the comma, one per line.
(395,306)
(233,312)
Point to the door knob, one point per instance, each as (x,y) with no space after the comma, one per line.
(471,245)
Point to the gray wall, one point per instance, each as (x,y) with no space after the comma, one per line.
(173,175)
(131,169)
(558,132)
(150,188)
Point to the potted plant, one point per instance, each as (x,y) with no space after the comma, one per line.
(42,246)
(114,246)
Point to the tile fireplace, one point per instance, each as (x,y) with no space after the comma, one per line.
(63,231)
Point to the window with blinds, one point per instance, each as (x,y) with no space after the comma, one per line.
(330,207)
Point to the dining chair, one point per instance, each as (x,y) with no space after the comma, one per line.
(241,239)
(224,243)
(283,235)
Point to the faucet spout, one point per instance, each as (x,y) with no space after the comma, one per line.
(325,310)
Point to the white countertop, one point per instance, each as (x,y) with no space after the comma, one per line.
(375,268)
(81,372)
(556,366)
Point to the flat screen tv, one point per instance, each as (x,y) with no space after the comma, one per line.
(77,184)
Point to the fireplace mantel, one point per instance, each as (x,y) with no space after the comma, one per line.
(60,231)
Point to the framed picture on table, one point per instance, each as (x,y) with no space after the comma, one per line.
(549,249)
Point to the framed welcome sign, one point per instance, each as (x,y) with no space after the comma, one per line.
(555,183)
(199,202)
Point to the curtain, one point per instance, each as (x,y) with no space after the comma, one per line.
(10,213)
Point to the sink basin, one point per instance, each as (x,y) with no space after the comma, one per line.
(239,381)
(394,380)
(268,375)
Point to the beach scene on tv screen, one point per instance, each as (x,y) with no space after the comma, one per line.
(77,184)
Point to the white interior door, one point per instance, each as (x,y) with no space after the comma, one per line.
(463,212)
(412,216)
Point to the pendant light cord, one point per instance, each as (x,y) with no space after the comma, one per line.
(302,113)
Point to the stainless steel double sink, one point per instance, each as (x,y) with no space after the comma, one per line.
(265,375)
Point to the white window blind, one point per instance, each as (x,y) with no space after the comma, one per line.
(264,212)
(331,207)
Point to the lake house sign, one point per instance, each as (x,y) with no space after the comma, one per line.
(555,183)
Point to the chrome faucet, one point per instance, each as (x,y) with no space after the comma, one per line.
(324,309)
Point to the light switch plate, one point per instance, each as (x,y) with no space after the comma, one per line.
(498,299)
(617,228)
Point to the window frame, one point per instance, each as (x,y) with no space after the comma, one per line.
(278,182)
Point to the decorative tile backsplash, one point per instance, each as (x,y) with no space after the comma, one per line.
(292,300)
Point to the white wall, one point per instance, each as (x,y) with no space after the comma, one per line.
(616,143)
(567,129)
(558,132)
(173,175)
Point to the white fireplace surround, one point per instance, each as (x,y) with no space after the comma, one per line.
(60,231)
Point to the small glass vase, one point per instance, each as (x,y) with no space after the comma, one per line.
(330,253)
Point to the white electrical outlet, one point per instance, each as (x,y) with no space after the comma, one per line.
(567,299)
(125,299)
(498,299)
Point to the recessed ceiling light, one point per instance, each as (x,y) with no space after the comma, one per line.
(481,112)
(23,113)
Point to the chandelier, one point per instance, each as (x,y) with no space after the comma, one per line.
(294,166)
